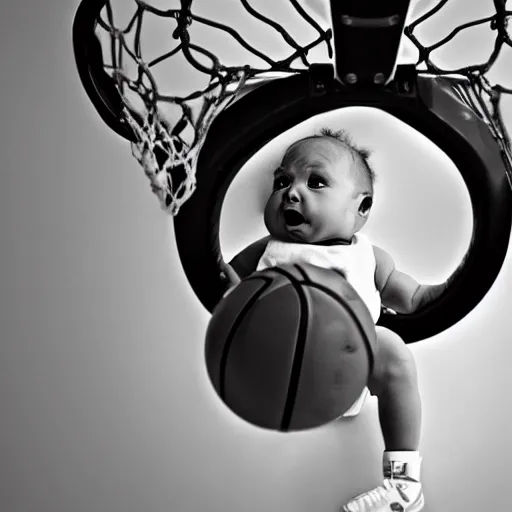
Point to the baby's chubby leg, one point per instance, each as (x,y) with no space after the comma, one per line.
(394,382)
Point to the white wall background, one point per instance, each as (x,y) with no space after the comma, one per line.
(105,405)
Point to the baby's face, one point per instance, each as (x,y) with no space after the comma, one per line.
(317,195)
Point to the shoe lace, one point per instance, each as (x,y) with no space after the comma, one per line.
(369,499)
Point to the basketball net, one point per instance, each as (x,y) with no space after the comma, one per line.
(170,128)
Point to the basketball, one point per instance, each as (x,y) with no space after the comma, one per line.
(290,348)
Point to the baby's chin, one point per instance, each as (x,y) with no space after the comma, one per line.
(302,236)
(298,234)
(290,234)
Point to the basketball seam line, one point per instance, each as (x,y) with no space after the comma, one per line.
(342,303)
(298,355)
(303,273)
(231,334)
(307,280)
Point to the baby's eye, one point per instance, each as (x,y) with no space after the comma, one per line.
(316,182)
(281,182)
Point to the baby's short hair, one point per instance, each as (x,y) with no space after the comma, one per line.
(342,136)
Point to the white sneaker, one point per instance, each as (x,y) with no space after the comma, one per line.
(396,495)
(401,491)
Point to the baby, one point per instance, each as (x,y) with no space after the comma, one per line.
(322,196)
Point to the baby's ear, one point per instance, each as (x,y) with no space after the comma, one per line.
(365,206)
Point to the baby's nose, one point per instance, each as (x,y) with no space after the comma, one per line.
(292,195)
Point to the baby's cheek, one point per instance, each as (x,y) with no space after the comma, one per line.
(346,221)
(269,214)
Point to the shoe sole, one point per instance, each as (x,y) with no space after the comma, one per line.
(417,506)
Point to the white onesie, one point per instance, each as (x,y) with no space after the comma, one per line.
(356,260)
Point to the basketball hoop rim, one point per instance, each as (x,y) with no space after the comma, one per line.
(433,108)
(99,86)
(248,123)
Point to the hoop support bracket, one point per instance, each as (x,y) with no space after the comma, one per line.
(367,36)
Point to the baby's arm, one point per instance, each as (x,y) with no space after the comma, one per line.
(399,291)
(243,264)
(229,276)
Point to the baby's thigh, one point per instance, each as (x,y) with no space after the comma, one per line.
(392,357)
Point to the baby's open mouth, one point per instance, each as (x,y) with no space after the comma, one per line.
(293,218)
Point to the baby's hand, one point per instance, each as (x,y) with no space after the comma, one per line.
(229,276)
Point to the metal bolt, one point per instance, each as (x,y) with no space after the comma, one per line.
(319,87)
(351,78)
(393,20)
(379,78)
(346,20)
